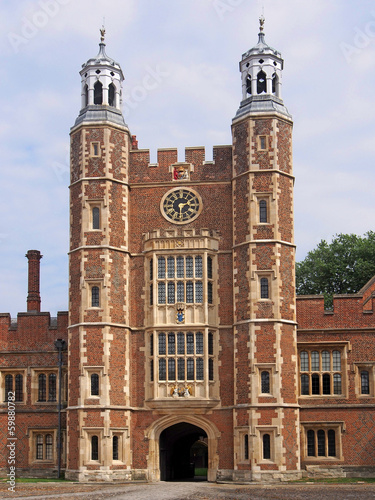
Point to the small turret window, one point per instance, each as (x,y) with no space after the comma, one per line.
(248,84)
(86,95)
(98,93)
(261,82)
(275,81)
(111,94)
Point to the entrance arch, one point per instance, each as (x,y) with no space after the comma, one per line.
(178,444)
(183,450)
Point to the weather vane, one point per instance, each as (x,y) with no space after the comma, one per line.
(102,32)
(261,22)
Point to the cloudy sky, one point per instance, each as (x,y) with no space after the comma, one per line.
(192,49)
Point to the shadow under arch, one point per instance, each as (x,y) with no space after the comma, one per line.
(155,430)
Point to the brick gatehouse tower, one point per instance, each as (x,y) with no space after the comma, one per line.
(182,327)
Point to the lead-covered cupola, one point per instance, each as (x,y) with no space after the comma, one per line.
(261,73)
(101,90)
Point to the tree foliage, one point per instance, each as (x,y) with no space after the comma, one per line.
(343,266)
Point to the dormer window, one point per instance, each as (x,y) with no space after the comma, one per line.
(98,93)
(111,94)
(261,82)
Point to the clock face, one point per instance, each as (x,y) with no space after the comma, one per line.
(181,205)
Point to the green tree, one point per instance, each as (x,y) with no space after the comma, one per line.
(343,266)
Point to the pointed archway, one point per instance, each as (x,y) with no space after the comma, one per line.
(183,452)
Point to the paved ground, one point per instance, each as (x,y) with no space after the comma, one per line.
(189,491)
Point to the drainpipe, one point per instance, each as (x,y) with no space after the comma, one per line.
(60,345)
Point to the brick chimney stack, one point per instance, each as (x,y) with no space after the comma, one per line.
(33,296)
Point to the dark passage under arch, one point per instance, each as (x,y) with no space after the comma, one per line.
(183,453)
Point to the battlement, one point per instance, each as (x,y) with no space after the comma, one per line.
(32,330)
(168,168)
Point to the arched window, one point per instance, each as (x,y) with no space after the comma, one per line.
(18,387)
(95,296)
(39,447)
(86,91)
(94,384)
(265,382)
(261,82)
(315,384)
(263,211)
(98,93)
(94,448)
(52,387)
(321,443)
(115,448)
(275,80)
(49,449)
(365,382)
(266,447)
(331,443)
(42,387)
(305,389)
(8,386)
(95,218)
(111,95)
(310,443)
(248,84)
(326,383)
(264,292)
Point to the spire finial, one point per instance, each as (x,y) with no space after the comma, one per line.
(102,33)
(261,23)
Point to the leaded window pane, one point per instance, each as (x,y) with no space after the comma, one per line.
(115,448)
(365,382)
(266,447)
(152,370)
(94,384)
(42,387)
(162,369)
(180,291)
(305,390)
(304,361)
(198,267)
(265,382)
(189,267)
(336,360)
(199,369)
(210,343)
(326,383)
(162,343)
(321,443)
(180,267)
(209,292)
(95,218)
(94,448)
(326,361)
(190,369)
(246,447)
(264,293)
(315,384)
(190,343)
(161,293)
(331,443)
(211,368)
(49,449)
(170,262)
(161,267)
(95,296)
(151,295)
(171,343)
(209,267)
(52,387)
(337,383)
(181,369)
(39,447)
(189,292)
(151,344)
(315,361)
(8,386)
(171,294)
(262,211)
(199,343)
(199,292)
(171,369)
(151,270)
(180,343)
(310,443)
